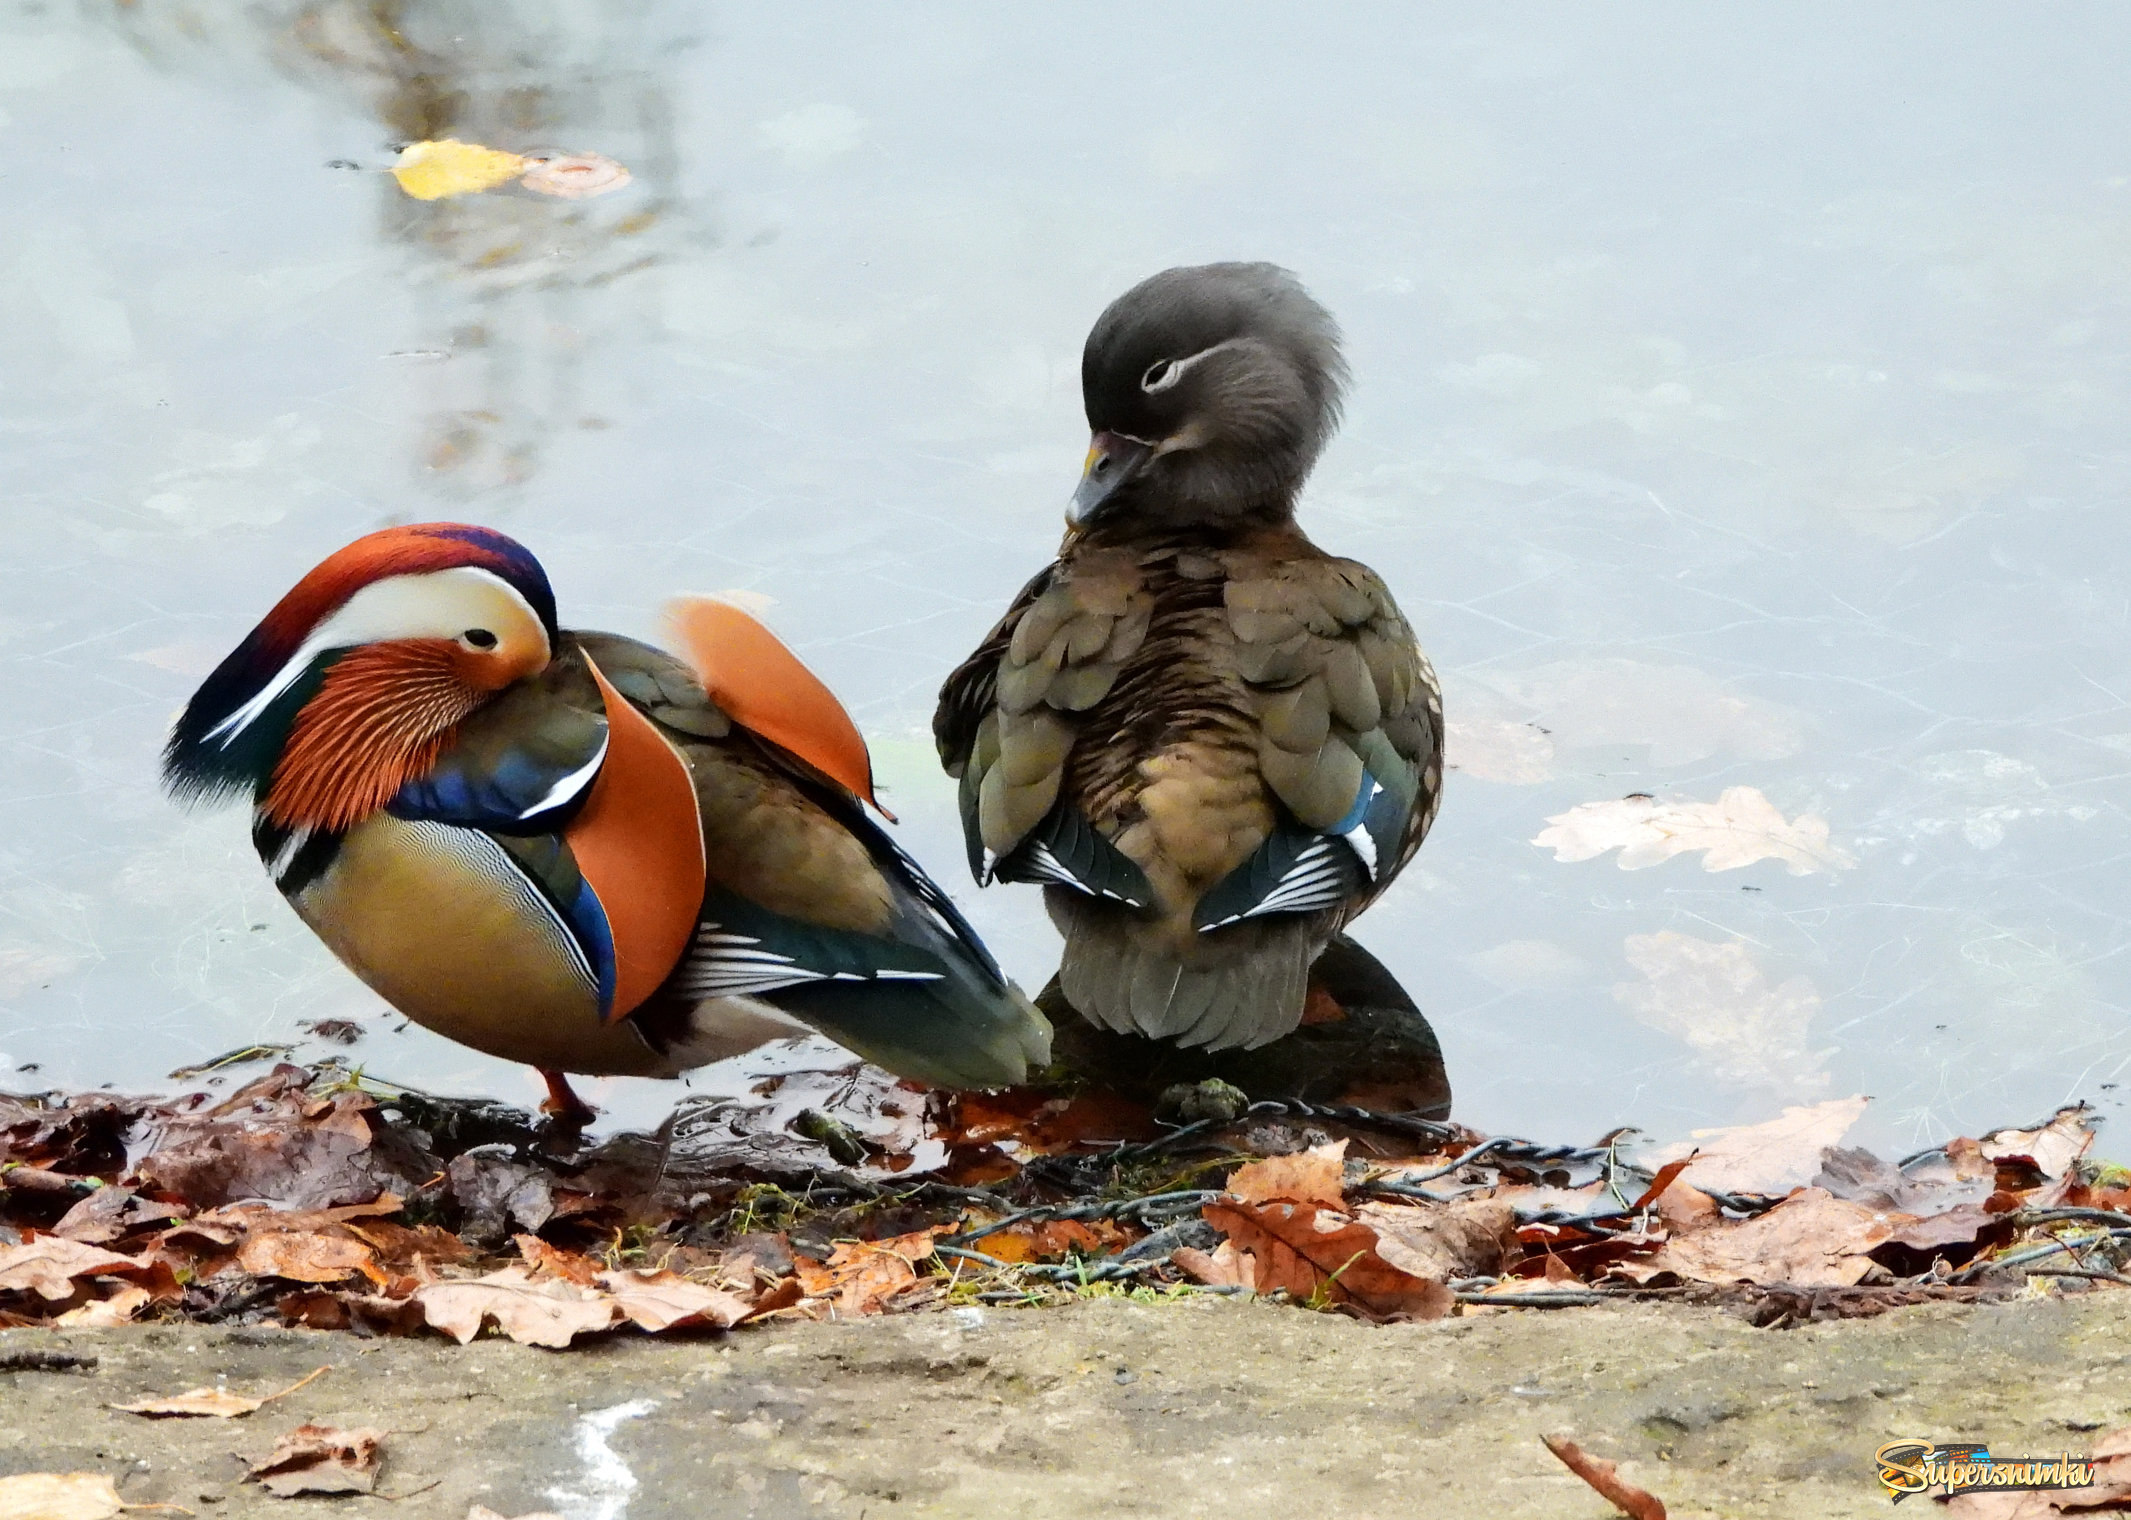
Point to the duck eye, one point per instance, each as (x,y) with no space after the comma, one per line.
(479,638)
(1160,376)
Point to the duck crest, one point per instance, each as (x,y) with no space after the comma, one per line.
(380,717)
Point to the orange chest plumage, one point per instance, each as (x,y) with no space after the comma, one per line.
(506,941)
(638,841)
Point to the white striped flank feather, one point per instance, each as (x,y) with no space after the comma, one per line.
(723,964)
(1317,879)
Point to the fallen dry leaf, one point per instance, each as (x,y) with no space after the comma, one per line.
(862,1274)
(107,1313)
(1310,1250)
(1222,1267)
(1635,1503)
(658,1301)
(542,1312)
(1739,828)
(1810,1240)
(1470,1238)
(2051,1149)
(110,1212)
(58,1496)
(1769,1158)
(319,1459)
(430,171)
(214,1403)
(48,1265)
(1312,1176)
(575,176)
(305,1256)
(552,1261)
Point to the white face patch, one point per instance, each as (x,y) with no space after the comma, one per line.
(439,604)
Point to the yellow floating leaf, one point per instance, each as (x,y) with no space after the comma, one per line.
(430,171)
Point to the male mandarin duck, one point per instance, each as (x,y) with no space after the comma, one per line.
(1212,742)
(572,849)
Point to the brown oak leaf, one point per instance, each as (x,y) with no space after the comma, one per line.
(860,1275)
(1307,1250)
(48,1265)
(1312,1176)
(306,1256)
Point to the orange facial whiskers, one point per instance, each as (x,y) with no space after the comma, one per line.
(379,720)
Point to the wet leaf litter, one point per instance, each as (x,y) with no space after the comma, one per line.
(323,1198)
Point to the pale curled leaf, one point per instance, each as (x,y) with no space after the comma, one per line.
(214,1403)
(1222,1267)
(575,176)
(2052,1149)
(430,171)
(107,1313)
(1312,1176)
(320,1459)
(547,1312)
(1810,1240)
(1470,1238)
(1635,1503)
(58,1496)
(657,1301)
(1714,996)
(1768,1158)
(1739,828)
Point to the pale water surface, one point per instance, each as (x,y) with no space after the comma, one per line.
(1741,402)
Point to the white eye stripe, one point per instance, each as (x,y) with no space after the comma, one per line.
(1165,374)
(400,606)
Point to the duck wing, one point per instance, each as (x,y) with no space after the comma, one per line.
(1009,715)
(1349,723)
(809,905)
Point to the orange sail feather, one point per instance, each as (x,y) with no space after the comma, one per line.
(762,686)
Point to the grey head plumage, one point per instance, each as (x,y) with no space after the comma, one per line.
(1211,390)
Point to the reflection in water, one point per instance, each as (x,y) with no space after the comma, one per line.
(512,287)
(1738,404)
(1368,1046)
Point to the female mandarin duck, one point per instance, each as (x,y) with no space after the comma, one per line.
(573,850)
(1212,742)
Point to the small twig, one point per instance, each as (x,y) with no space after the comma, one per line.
(309,1377)
(31,1360)
(2111,1277)
(410,1493)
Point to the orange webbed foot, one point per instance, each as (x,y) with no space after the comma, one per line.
(562,1104)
